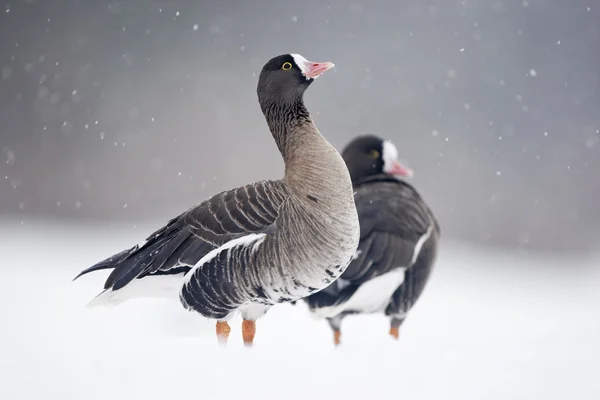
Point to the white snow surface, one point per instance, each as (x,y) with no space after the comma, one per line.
(490,325)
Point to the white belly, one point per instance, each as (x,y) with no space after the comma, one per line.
(371,297)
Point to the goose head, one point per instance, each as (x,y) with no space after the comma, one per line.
(370,155)
(283,79)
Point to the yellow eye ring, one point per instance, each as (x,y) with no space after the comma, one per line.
(286,66)
(374,153)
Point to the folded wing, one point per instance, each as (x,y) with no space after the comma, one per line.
(185,239)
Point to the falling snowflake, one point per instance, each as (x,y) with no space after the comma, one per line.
(67,128)
(591,142)
(6,72)
(10,157)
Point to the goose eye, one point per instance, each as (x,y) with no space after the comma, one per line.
(286,66)
(374,153)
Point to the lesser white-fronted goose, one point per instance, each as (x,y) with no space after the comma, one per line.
(247,249)
(399,237)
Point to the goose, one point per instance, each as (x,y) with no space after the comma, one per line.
(398,247)
(244,250)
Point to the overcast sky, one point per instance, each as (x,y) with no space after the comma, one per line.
(136,110)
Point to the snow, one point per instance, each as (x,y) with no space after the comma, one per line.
(489,326)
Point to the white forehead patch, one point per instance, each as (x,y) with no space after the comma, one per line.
(301,62)
(390,154)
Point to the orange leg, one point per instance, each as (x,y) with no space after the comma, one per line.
(248,332)
(223,330)
(395,332)
(337,337)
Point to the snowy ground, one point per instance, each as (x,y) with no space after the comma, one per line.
(490,326)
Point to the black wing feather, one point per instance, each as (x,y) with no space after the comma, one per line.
(415,280)
(185,239)
(392,217)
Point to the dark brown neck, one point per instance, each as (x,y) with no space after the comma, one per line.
(285,121)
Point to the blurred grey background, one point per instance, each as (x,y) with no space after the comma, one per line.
(135,110)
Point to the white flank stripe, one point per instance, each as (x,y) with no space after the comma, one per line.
(420,243)
(256,238)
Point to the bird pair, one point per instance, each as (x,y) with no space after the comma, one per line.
(245,250)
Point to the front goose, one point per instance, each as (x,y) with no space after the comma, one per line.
(398,241)
(269,242)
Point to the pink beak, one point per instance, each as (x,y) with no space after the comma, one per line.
(315,69)
(398,169)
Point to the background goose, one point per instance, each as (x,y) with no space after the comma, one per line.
(398,241)
(247,249)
